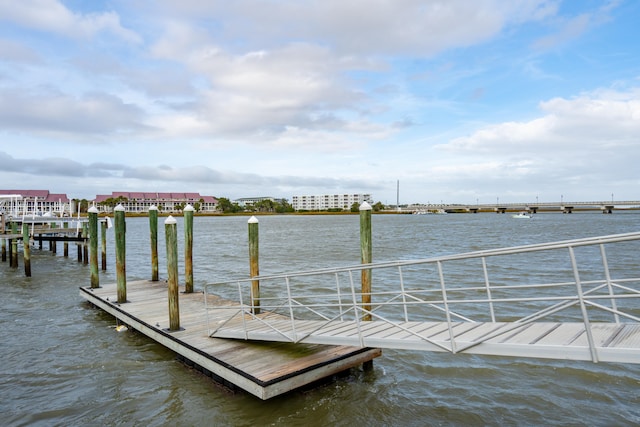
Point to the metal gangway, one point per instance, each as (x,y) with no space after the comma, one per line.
(576,299)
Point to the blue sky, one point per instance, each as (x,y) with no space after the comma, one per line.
(461,101)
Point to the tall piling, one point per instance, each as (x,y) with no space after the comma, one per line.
(93,246)
(85,245)
(153,238)
(366,251)
(4,250)
(188,248)
(121,268)
(26,250)
(254,269)
(103,241)
(171,238)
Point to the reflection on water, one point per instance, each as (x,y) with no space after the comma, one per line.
(63,363)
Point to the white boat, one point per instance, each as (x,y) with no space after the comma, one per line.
(522,215)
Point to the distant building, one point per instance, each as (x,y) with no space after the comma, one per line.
(40,202)
(165,202)
(328,201)
(245,201)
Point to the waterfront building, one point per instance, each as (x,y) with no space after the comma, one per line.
(165,202)
(247,201)
(38,202)
(328,201)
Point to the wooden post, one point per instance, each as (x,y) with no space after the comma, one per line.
(26,250)
(171,237)
(93,243)
(103,241)
(65,250)
(53,247)
(85,245)
(121,268)
(153,234)
(254,269)
(14,253)
(78,245)
(188,248)
(365,250)
(4,250)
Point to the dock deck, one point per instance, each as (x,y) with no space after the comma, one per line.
(263,369)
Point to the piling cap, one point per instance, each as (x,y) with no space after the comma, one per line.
(93,209)
(253,220)
(119,207)
(365,206)
(170,220)
(188,208)
(153,208)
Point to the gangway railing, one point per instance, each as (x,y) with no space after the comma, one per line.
(591,283)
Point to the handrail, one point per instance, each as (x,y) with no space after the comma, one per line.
(422,291)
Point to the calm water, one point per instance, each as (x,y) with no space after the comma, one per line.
(63,363)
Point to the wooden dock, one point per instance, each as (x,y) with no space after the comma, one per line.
(263,369)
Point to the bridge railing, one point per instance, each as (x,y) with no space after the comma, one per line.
(584,280)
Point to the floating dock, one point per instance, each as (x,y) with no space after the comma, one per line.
(263,369)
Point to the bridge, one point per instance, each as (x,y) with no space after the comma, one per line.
(606,207)
(575,299)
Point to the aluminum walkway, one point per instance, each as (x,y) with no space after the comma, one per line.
(577,300)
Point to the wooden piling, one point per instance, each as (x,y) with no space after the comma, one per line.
(93,243)
(254,269)
(121,269)
(366,250)
(4,250)
(14,253)
(188,248)
(26,250)
(53,247)
(171,238)
(78,245)
(103,241)
(85,245)
(153,234)
(65,246)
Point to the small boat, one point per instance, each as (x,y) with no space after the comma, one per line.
(522,215)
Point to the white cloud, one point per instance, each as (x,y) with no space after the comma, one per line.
(365,27)
(53,16)
(592,134)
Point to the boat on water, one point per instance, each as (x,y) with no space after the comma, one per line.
(522,215)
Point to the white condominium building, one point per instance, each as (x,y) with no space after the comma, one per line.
(328,201)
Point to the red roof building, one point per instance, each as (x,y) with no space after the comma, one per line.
(165,202)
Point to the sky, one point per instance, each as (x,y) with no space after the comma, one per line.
(457,101)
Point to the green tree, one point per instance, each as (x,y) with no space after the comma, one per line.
(226,206)
(283,206)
